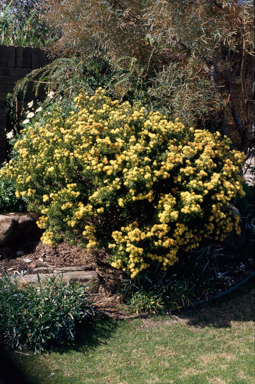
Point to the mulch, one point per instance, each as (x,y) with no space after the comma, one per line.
(31,253)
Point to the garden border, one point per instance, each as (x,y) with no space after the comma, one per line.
(200,303)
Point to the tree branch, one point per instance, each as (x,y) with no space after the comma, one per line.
(243,66)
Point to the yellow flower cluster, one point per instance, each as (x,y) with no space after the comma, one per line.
(115,176)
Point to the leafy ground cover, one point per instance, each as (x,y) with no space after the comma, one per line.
(214,344)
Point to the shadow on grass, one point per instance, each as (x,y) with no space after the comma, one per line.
(37,369)
(237,305)
(9,369)
(89,334)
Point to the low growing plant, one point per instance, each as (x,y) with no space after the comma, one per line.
(35,316)
(143,301)
(114,176)
(187,281)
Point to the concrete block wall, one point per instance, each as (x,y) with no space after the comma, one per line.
(15,63)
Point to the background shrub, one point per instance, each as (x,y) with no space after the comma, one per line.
(115,176)
(35,316)
(246,205)
(21,24)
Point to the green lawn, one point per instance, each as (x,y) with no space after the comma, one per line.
(210,345)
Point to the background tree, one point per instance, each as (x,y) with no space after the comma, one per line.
(190,59)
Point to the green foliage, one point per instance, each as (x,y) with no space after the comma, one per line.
(155,291)
(65,78)
(8,200)
(27,30)
(11,112)
(115,176)
(142,301)
(36,316)
(246,204)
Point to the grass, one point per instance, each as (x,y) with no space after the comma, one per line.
(214,344)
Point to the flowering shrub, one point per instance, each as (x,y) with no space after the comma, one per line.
(114,176)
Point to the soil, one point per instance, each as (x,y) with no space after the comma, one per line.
(234,267)
(32,253)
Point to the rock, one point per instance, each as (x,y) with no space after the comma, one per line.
(22,282)
(85,267)
(32,265)
(7,228)
(89,278)
(50,268)
(16,226)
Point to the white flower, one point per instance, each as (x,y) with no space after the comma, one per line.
(30,114)
(9,135)
(51,95)
(38,109)
(25,121)
(30,104)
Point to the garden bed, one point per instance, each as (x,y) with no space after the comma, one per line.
(32,256)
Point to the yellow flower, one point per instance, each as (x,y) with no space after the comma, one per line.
(121,202)
(45,198)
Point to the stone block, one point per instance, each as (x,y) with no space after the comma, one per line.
(88,278)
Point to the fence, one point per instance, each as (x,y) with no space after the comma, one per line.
(15,63)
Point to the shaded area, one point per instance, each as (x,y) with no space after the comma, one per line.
(90,334)
(10,373)
(238,305)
